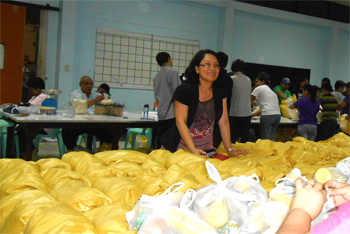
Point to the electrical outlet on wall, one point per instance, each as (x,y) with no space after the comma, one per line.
(66,67)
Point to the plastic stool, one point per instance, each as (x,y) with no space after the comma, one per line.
(85,136)
(56,132)
(4,124)
(138,131)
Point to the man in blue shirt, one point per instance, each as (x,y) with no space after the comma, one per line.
(70,135)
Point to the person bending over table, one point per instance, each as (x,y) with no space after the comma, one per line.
(200,109)
(269,108)
(70,135)
(308,108)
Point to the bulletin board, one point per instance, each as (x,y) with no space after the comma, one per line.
(128,60)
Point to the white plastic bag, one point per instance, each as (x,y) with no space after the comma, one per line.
(285,188)
(147,205)
(223,208)
(80,106)
(344,166)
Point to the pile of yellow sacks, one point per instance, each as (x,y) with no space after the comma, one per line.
(84,193)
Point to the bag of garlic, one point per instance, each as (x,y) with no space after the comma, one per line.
(147,205)
(179,220)
(224,208)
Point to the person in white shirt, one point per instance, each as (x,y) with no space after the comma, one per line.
(70,135)
(339,87)
(269,108)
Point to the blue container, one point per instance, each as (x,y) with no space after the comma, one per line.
(50,102)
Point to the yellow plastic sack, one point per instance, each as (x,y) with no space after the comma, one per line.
(117,156)
(82,161)
(130,168)
(120,189)
(153,167)
(160,156)
(60,219)
(10,202)
(54,177)
(185,159)
(109,218)
(344,124)
(17,220)
(103,171)
(152,184)
(82,198)
(48,163)
(17,176)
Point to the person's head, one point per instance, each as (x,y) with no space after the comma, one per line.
(262,79)
(347,88)
(103,88)
(86,84)
(325,80)
(35,85)
(223,59)
(311,91)
(163,58)
(238,66)
(339,86)
(326,88)
(285,83)
(318,90)
(304,81)
(204,66)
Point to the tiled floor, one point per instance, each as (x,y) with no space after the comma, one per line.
(50,149)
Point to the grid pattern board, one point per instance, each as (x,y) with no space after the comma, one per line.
(127,60)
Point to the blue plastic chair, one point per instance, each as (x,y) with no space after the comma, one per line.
(4,124)
(85,136)
(56,132)
(138,131)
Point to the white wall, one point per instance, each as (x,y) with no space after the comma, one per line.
(252,33)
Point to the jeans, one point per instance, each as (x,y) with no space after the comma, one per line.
(240,127)
(308,131)
(268,126)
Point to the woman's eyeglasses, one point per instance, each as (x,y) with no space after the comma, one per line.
(208,65)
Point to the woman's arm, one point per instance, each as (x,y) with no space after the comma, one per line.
(181,115)
(341,105)
(224,126)
(291,106)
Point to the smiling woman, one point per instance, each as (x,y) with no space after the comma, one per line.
(200,109)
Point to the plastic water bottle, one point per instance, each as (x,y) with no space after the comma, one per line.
(145,111)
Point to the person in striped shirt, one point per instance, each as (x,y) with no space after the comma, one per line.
(328,103)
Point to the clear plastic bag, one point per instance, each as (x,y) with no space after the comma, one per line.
(148,205)
(344,166)
(224,208)
(66,110)
(176,219)
(323,175)
(285,187)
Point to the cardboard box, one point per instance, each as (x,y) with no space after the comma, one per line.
(114,109)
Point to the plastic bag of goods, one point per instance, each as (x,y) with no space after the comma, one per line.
(285,188)
(286,111)
(344,166)
(323,175)
(223,208)
(147,205)
(344,124)
(176,219)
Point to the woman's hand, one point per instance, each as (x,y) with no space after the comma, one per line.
(237,153)
(310,198)
(199,152)
(338,192)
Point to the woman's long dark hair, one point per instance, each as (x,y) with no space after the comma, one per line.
(312,92)
(191,74)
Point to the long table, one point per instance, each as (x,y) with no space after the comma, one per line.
(116,125)
(284,123)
